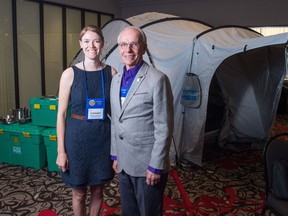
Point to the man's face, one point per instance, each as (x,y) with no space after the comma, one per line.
(131,48)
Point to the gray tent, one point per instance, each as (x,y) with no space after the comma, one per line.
(240,73)
(249,71)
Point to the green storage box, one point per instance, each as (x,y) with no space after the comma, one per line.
(27,145)
(5,153)
(44,110)
(50,141)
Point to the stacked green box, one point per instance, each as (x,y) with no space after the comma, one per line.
(50,141)
(44,110)
(27,145)
(5,153)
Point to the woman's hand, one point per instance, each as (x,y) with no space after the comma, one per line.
(62,162)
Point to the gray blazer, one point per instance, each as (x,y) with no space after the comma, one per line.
(142,128)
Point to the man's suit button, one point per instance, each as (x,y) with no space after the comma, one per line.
(120,137)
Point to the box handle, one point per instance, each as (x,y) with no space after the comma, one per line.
(53,137)
(52,107)
(26,134)
(36,106)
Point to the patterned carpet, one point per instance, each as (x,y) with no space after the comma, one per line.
(228,183)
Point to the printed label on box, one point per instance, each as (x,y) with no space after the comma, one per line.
(17,150)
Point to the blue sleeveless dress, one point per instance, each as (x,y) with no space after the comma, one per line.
(87,143)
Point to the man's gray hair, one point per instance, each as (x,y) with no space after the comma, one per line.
(143,36)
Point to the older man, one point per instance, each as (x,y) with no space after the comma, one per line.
(142,128)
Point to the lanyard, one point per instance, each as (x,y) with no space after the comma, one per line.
(102,78)
(95,107)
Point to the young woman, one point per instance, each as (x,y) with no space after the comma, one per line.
(84,137)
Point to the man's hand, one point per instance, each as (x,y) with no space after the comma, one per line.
(114,166)
(152,179)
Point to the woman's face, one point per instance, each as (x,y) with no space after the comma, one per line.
(91,44)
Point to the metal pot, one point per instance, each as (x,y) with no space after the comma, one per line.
(21,113)
(8,119)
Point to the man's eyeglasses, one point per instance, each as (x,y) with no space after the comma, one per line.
(132,45)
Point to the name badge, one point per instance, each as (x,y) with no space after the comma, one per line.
(95,108)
